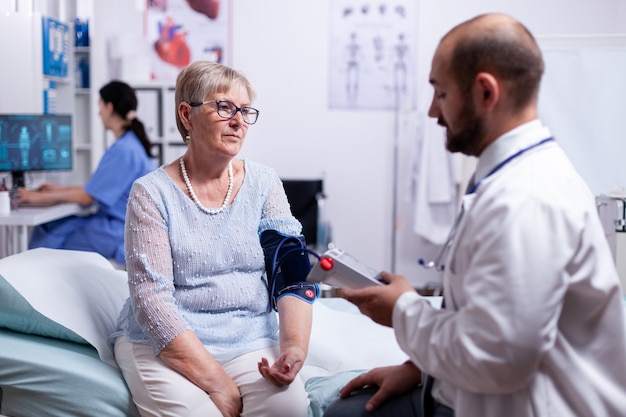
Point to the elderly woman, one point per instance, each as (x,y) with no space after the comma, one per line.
(199,335)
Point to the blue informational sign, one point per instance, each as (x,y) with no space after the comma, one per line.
(56,47)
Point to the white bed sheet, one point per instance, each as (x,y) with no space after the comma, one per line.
(56,378)
(82,292)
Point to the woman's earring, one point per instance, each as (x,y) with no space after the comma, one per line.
(187,140)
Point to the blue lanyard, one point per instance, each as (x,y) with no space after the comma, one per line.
(438,262)
(506,161)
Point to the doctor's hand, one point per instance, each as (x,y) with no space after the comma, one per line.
(391,381)
(377,301)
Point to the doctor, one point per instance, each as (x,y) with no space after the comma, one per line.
(533,323)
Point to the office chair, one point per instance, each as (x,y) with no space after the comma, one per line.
(307,198)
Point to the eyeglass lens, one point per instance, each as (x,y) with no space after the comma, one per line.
(227,110)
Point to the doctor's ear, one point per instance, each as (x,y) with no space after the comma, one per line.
(488,89)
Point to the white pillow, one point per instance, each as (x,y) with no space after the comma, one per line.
(81,291)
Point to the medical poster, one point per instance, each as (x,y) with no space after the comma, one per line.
(372,47)
(56,47)
(182,31)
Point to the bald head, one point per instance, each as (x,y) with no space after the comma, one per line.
(499,45)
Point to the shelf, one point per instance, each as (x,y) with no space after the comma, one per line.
(82,147)
(59,80)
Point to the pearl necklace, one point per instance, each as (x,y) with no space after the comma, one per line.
(194,197)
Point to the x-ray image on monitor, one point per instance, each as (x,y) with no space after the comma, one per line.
(35,142)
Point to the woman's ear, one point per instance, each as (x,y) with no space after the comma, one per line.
(487,90)
(108,106)
(184,113)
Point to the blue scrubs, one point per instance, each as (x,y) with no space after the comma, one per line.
(110,184)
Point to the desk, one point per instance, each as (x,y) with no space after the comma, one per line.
(23,217)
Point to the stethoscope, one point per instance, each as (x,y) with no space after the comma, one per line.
(438,262)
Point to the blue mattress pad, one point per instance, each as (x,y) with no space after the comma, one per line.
(41,376)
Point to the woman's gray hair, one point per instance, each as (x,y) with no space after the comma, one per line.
(202,79)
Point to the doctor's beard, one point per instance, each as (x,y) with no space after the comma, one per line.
(469,137)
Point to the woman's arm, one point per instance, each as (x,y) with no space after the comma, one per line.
(296,315)
(49,194)
(296,318)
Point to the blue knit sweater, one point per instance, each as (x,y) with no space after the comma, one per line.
(204,272)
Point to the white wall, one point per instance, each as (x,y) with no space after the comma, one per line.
(283,46)
(546,19)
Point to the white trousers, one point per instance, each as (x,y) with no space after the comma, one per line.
(159,391)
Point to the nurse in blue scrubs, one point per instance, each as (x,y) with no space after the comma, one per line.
(106,192)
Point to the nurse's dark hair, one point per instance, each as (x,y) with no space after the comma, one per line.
(124,101)
(502,46)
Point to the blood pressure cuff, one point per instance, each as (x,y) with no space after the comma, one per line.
(287,266)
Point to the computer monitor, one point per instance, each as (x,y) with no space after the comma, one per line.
(34,142)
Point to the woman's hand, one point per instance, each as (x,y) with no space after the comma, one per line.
(50,187)
(50,194)
(391,381)
(26,196)
(225,393)
(37,196)
(286,367)
(187,356)
(296,318)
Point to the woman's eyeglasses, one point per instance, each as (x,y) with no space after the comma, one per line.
(227,110)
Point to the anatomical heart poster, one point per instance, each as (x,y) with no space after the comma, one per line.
(182,31)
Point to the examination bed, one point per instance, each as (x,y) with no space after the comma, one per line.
(57,308)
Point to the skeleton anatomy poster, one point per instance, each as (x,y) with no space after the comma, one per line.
(372,47)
